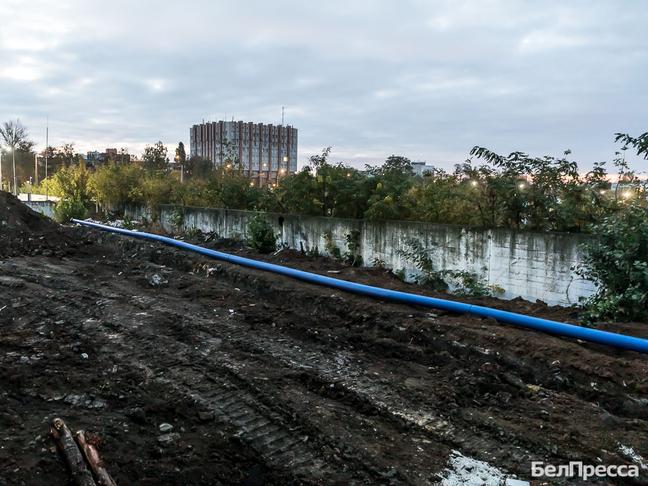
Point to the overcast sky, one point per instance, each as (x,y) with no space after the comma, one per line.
(425,79)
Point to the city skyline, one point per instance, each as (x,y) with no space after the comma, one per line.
(427,80)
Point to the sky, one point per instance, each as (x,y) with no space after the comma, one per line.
(424,79)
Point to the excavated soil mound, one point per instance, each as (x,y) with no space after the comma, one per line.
(23,231)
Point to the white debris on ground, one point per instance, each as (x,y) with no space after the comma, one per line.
(118,223)
(633,456)
(465,471)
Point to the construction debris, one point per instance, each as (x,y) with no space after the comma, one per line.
(81,475)
(91,455)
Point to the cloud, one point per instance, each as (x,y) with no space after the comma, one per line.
(156,85)
(426,79)
(545,40)
(21,69)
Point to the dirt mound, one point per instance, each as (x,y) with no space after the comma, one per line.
(23,231)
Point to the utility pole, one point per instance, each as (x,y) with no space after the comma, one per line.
(46,156)
(13,158)
(36,169)
(283,108)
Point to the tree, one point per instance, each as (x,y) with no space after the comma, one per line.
(180,154)
(617,260)
(640,143)
(322,180)
(390,181)
(441,197)
(16,137)
(72,183)
(68,155)
(155,157)
(115,184)
(296,193)
(231,189)
(199,167)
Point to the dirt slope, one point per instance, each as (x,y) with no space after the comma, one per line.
(26,232)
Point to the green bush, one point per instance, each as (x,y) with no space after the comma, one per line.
(460,281)
(261,235)
(177,218)
(469,284)
(415,253)
(330,246)
(65,210)
(617,260)
(353,256)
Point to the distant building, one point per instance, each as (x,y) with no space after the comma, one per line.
(265,152)
(111,153)
(420,168)
(94,157)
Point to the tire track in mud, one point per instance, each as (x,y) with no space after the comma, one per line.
(360,393)
(215,384)
(475,426)
(442,338)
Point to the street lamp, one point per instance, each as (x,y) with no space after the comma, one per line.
(36,169)
(0,168)
(13,158)
(8,149)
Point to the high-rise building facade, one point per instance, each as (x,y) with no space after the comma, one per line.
(265,152)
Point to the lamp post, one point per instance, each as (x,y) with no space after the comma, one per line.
(13,158)
(36,169)
(8,150)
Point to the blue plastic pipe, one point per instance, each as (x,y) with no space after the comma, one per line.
(620,341)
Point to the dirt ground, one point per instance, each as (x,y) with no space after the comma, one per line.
(267,380)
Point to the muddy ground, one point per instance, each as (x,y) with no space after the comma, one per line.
(267,380)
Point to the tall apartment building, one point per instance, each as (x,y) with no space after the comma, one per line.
(265,152)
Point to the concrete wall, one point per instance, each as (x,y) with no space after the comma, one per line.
(529,265)
(43,207)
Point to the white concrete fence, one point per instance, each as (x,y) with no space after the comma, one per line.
(534,266)
(528,265)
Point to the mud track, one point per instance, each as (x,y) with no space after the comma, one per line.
(270,380)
